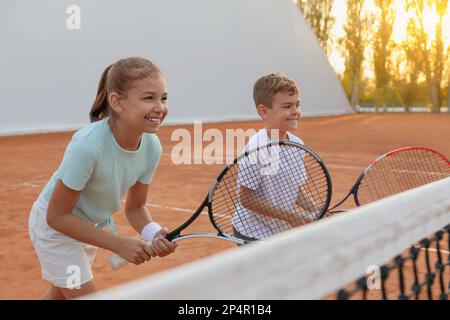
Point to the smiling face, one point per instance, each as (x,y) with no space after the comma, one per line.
(144,106)
(284,112)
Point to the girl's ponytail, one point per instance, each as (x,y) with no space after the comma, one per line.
(99,108)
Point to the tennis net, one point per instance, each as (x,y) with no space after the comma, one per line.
(395,248)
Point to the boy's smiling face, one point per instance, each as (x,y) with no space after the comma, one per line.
(284,113)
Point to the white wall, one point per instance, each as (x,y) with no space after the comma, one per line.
(211,51)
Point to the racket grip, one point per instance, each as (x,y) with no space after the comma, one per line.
(117,262)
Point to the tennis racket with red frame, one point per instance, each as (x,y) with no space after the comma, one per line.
(396,171)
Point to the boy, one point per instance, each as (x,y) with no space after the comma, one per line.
(266,205)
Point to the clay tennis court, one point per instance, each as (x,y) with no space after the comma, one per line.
(345,143)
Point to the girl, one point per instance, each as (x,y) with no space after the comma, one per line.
(117,153)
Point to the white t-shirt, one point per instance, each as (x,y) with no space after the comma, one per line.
(262,174)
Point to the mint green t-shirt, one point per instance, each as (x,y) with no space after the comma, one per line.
(95,164)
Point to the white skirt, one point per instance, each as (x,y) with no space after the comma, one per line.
(65,262)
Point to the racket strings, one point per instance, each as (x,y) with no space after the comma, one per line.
(401,171)
(270,191)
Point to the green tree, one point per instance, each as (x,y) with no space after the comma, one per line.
(438,50)
(318,15)
(432,55)
(414,65)
(448,78)
(357,38)
(383,45)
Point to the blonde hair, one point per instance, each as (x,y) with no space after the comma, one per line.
(120,77)
(267,86)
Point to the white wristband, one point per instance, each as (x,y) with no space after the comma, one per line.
(149,231)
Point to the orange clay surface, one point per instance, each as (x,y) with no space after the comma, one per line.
(346,144)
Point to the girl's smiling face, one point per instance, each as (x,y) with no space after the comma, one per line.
(144,106)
